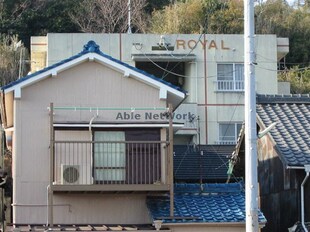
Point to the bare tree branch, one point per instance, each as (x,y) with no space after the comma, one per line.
(108,16)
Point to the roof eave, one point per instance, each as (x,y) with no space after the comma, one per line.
(92,56)
(33,78)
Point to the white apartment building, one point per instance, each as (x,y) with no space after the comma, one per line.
(208,66)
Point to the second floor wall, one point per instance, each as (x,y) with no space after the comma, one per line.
(209,67)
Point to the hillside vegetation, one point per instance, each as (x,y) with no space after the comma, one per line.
(25,18)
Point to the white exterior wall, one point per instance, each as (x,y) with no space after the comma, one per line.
(201,72)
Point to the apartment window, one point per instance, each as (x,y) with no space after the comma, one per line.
(109,157)
(230,77)
(228,132)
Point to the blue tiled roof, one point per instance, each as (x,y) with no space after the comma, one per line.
(206,203)
(292,132)
(191,165)
(91,47)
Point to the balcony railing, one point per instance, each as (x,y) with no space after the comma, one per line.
(107,164)
(229,85)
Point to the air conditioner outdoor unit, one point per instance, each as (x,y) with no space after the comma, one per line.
(70,174)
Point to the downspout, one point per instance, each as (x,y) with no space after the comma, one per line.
(91,134)
(48,189)
(91,122)
(307,170)
(50,216)
(90,125)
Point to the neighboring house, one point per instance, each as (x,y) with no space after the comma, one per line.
(93,156)
(283,160)
(208,66)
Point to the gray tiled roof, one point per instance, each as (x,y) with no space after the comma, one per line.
(292,132)
(210,163)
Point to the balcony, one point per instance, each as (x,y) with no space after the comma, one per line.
(89,166)
(229,86)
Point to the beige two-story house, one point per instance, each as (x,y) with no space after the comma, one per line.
(89,141)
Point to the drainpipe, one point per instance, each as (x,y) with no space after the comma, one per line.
(307,170)
(49,205)
(90,125)
(49,187)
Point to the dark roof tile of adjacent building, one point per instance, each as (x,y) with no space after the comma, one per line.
(205,162)
(292,132)
(206,203)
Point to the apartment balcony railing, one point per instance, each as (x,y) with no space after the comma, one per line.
(229,85)
(110,166)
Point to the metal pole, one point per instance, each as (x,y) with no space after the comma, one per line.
(251,201)
(20,62)
(171,161)
(129,17)
(49,190)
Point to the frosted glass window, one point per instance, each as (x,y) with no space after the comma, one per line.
(109,157)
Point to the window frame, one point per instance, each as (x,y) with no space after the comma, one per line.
(106,169)
(234,84)
(237,128)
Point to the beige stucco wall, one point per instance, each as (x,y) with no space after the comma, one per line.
(89,84)
(100,209)
(208,227)
(201,72)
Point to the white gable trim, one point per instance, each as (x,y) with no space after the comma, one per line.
(105,61)
(163,93)
(17,93)
(46,74)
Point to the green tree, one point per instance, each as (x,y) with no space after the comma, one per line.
(298,24)
(271,17)
(27,18)
(277,17)
(198,16)
(153,5)
(299,79)
(181,17)
(227,20)
(13,59)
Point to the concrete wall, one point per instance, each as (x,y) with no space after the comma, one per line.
(89,84)
(201,71)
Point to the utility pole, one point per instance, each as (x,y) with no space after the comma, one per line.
(170,160)
(129,17)
(251,201)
